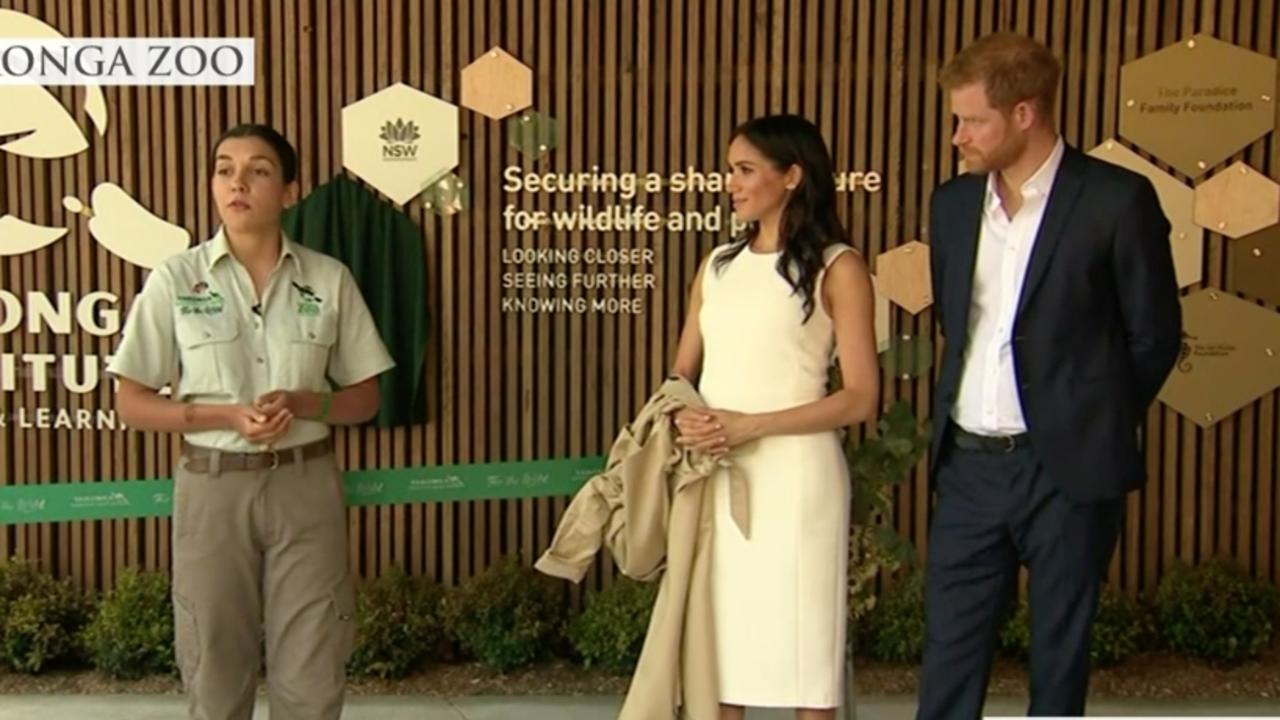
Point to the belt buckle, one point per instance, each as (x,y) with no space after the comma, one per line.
(1010,444)
(275,459)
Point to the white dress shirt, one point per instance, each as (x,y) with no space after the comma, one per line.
(988,401)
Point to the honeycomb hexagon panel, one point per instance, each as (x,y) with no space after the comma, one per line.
(1186,239)
(903,275)
(1255,265)
(1196,102)
(400,140)
(497,85)
(1237,201)
(1230,357)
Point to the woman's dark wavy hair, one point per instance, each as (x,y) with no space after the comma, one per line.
(809,222)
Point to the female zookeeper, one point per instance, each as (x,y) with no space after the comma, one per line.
(271,344)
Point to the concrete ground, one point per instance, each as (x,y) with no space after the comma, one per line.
(172,707)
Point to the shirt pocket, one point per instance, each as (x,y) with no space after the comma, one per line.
(207,351)
(310,342)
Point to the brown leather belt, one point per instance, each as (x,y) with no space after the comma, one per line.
(199,460)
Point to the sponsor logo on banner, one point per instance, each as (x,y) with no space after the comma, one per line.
(23,507)
(448,482)
(366,488)
(103,500)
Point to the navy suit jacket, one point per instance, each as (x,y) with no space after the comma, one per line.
(1098,324)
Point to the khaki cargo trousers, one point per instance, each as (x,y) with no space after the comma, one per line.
(261,555)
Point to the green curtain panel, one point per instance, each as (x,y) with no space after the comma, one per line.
(384,250)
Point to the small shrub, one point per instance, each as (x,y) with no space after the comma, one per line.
(877,464)
(398,625)
(610,632)
(131,636)
(894,629)
(1015,634)
(1121,629)
(40,618)
(505,617)
(1215,611)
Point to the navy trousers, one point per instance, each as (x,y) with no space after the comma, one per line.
(995,512)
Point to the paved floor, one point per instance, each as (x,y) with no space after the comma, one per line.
(171,707)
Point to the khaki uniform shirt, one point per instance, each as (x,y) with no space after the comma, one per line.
(198,316)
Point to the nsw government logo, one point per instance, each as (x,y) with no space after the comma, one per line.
(400,140)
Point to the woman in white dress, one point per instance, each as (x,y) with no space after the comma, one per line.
(767,312)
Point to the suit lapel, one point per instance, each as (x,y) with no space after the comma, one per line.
(1062,200)
(968,228)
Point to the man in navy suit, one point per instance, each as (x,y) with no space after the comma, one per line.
(1054,286)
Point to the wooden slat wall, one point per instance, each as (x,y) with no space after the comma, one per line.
(644,85)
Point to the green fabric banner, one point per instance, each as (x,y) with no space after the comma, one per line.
(383,248)
(116,499)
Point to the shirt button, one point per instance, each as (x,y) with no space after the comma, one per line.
(208,334)
(261,360)
(311,336)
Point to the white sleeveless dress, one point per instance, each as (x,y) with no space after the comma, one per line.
(779,596)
